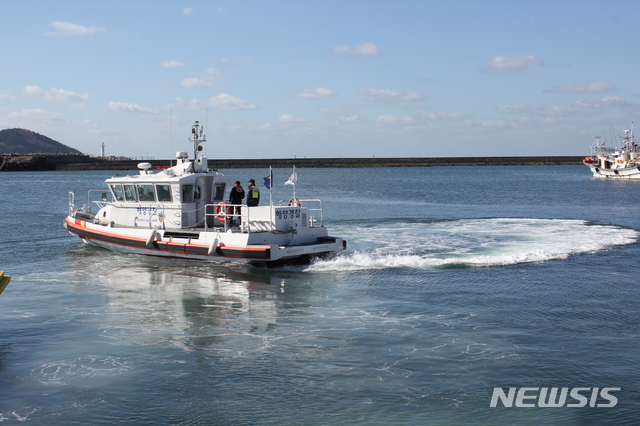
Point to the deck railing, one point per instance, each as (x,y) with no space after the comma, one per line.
(224,213)
(86,208)
(312,219)
(214,214)
(72,204)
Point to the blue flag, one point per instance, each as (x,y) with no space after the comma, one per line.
(268,179)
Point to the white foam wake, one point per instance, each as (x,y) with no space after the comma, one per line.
(472,243)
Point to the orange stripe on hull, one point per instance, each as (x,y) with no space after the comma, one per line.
(80,229)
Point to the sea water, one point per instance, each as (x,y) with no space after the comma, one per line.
(456,281)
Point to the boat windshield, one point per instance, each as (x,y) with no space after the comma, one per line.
(117,192)
(130,193)
(145,192)
(164,193)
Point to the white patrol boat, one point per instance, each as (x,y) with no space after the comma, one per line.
(622,162)
(181,212)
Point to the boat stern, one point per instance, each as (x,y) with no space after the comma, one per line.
(323,248)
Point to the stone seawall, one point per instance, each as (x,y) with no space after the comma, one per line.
(40,162)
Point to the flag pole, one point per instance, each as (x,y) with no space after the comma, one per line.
(270,186)
(294,182)
(293,179)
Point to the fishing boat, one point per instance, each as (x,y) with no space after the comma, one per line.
(622,162)
(182,212)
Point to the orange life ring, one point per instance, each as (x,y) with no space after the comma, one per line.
(221,212)
(294,202)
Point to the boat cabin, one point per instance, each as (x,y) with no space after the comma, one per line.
(174,198)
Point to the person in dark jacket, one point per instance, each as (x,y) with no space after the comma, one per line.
(235,197)
(253,196)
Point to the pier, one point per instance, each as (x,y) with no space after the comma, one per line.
(42,162)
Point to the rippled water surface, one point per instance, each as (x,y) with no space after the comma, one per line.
(456,280)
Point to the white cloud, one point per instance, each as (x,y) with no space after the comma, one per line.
(342,116)
(36,115)
(223,101)
(512,63)
(290,118)
(68,28)
(390,96)
(350,119)
(172,64)
(615,100)
(33,90)
(317,93)
(202,81)
(6,95)
(187,11)
(395,120)
(130,108)
(55,95)
(593,87)
(227,60)
(555,112)
(196,82)
(364,49)
(419,120)
(513,109)
(607,101)
(444,115)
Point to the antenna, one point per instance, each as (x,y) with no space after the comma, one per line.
(198,138)
(206,122)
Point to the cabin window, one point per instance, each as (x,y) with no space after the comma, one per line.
(187,193)
(218,191)
(118,195)
(164,193)
(130,193)
(145,192)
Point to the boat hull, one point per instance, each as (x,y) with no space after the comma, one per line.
(628,173)
(202,246)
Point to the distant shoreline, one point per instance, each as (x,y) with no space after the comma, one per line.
(50,162)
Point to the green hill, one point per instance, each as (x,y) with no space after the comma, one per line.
(23,141)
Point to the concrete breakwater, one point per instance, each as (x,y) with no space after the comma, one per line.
(41,162)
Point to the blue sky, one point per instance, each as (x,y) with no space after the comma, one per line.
(332,78)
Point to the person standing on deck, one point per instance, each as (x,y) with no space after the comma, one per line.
(253,196)
(235,197)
